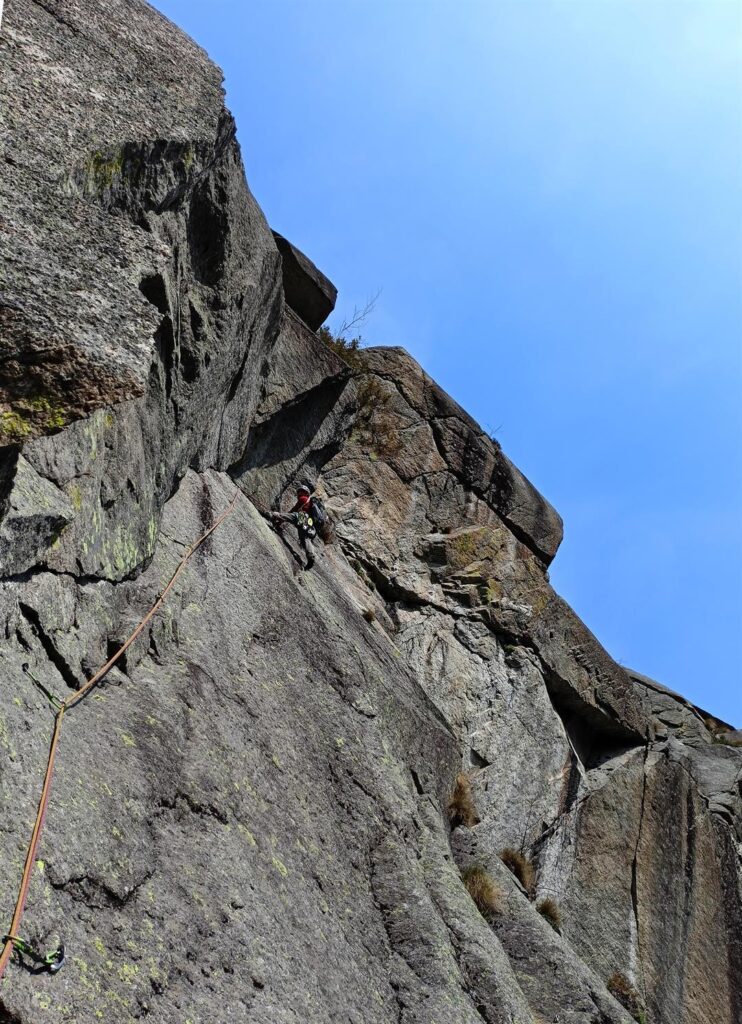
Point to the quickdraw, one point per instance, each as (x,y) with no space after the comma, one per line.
(54,701)
(52,962)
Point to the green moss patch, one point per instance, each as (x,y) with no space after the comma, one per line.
(31,416)
(102,169)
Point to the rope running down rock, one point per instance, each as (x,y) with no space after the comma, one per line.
(10,937)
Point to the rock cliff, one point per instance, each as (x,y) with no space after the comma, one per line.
(252,815)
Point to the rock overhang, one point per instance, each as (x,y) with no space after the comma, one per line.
(432,640)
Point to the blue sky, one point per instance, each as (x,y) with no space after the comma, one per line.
(549,195)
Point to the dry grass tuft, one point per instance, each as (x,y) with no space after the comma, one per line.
(485,892)
(369,614)
(726,739)
(624,992)
(521,867)
(549,910)
(461,809)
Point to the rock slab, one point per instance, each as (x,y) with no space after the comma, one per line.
(251,816)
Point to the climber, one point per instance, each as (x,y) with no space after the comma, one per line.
(301,516)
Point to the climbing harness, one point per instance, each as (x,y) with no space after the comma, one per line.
(54,961)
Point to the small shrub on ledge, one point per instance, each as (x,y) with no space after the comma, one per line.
(519,865)
(624,992)
(548,908)
(485,892)
(348,349)
(461,809)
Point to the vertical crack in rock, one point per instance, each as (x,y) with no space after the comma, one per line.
(276,725)
(32,617)
(636,971)
(688,881)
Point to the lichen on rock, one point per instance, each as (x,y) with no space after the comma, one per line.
(256,816)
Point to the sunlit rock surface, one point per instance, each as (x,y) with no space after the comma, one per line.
(249,818)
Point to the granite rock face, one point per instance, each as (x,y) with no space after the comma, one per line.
(76,332)
(34,513)
(307,291)
(177,289)
(250,816)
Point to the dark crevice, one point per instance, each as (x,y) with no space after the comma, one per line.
(165,346)
(6,1017)
(22,641)
(586,730)
(595,733)
(239,375)
(732,910)
(94,892)
(112,648)
(55,14)
(80,578)
(32,617)
(476,760)
(291,430)
(181,801)
(41,570)
(571,786)
(190,365)
(417,783)
(634,878)
(8,462)
(197,322)
(208,231)
(689,871)
(371,796)
(154,290)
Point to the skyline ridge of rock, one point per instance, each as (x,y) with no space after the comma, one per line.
(251,816)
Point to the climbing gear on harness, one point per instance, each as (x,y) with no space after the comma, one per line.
(11,939)
(52,961)
(305,523)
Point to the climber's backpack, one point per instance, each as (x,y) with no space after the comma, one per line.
(321,520)
(319,512)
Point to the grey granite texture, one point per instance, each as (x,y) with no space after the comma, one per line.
(250,816)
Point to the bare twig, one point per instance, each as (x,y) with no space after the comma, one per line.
(358,316)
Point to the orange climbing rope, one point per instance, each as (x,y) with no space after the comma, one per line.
(12,936)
